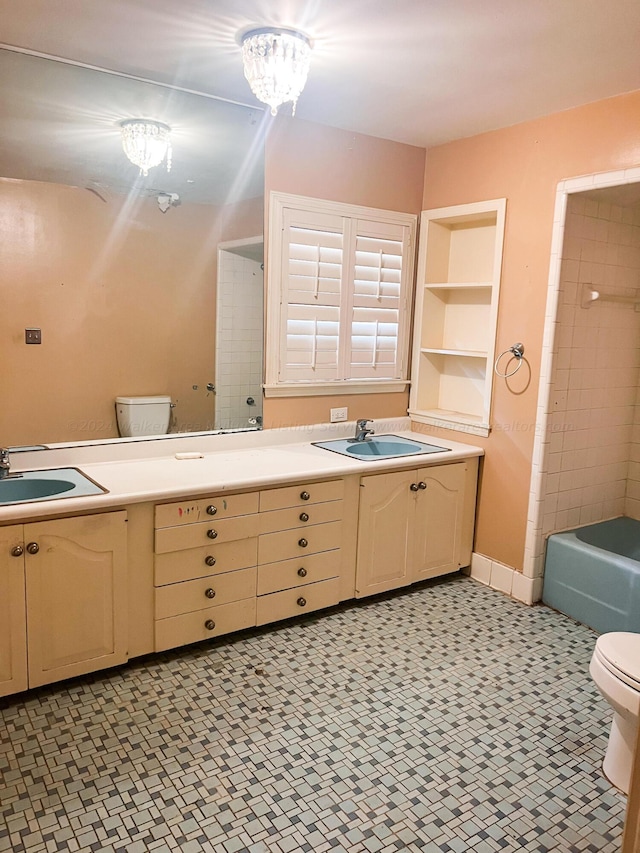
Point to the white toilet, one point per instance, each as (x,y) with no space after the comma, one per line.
(615,669)
(143,415)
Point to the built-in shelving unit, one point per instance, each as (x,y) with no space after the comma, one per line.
(458,283)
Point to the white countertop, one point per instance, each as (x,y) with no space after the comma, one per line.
(248,461)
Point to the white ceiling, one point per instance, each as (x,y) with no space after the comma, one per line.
(61,123)
(417,71)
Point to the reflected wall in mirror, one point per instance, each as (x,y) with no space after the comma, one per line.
(131,300)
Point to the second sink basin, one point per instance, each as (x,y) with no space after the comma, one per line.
(380,447)
(46,485)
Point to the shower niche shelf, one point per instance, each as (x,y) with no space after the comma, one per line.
(458,284)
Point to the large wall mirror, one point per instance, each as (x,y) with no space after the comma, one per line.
(140,286)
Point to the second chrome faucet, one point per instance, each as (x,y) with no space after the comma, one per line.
(361,429)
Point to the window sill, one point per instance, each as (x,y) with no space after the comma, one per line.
(331,389)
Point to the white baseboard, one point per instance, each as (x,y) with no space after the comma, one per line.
(505,579)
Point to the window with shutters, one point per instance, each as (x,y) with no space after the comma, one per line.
(339,297)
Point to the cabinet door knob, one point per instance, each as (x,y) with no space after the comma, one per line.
(212,510)
(301,601)
(209,624)
(33,547)
(304,516)
(414,487)
(304,496)
(210,593)
(18,551)
(210,561)
(212,534)
(302,543)
(422,486)
(302,572)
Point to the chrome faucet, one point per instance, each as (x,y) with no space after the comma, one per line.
(5,465)
(361,429)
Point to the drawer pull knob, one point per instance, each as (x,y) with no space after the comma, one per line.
(210,561)
(18,551)
(302,601)
(302,572)
(212,510)
(209,624)
(212,534)
(422,486)
(33,547)
(302,543)
(304,516)
(304,496)
(210,593)
(414,487)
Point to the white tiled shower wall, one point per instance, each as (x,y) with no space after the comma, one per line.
(591,468)
(240,340)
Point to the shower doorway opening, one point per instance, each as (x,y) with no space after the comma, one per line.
(239,334)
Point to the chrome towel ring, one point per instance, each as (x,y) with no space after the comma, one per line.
(517,351)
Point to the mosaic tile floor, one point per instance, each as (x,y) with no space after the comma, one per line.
(441,718)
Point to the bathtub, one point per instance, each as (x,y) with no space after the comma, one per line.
(593,575)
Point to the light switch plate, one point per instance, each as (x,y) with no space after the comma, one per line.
(33,336)
(338,415)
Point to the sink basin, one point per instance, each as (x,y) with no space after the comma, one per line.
(380,447)
(46,485)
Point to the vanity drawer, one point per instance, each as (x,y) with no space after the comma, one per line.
(273,547)
(293,602)
(178,566)
(288,574)
(191,627)
(216,530)
(192,511)
(296,517)
(295,495)
(205,592)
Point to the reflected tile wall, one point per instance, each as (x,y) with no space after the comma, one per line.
(240,340)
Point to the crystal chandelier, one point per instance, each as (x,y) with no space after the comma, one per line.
(276,64)
(146,143)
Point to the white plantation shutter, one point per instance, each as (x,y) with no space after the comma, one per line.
(342,279)
(311,296)
(378,307)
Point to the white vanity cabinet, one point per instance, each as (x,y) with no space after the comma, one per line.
(299,549)
(230,562)
(13,620)
(65,608)
(205,568)
(414,525)
(87,592)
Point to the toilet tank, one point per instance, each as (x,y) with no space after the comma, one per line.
(143,415)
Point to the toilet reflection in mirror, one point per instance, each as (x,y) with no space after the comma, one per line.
(125,292)
(143,416)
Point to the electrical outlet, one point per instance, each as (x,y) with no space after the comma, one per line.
(338,415)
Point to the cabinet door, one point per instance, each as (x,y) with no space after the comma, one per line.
(13,625)
(76,595)
(385,531)
(438,523)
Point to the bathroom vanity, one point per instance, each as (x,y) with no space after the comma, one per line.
(182,550)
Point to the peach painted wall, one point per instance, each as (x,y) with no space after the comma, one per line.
(125,297)
(524,163)
(315,160)
(242,219)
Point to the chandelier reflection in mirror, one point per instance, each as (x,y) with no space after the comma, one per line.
(146,143)
(276,64)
